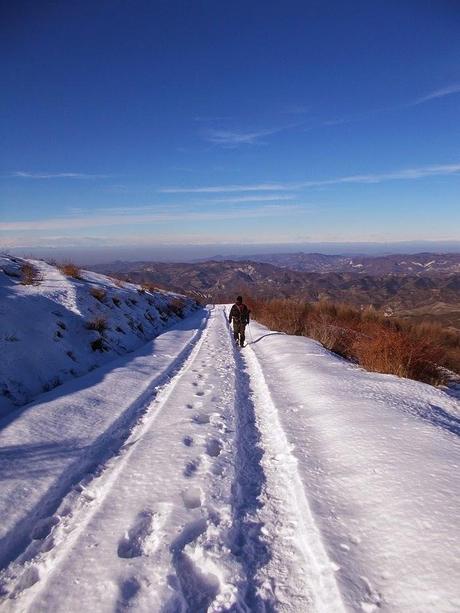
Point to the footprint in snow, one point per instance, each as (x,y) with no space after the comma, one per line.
(142,538)
(188,441)
(213,447)
(191,467)
(192,497)
(128,591)
(201,418)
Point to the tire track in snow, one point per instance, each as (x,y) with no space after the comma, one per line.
(72,512)
(286,564)
(246,539)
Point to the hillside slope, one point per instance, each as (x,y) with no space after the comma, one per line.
(432,296)
(197,476)
(60,327)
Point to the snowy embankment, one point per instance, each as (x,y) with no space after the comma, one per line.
(278,477)
(60,327)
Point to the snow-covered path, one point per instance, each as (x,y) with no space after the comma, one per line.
(276,478)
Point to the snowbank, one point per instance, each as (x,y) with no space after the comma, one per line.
(379,460)
(62,327)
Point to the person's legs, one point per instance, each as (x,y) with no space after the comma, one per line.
(242,334)
(235,330)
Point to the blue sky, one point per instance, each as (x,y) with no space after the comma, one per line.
(174,123)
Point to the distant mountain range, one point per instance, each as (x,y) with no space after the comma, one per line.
(423,284)
(399,264)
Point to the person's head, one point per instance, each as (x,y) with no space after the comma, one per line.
(239,299)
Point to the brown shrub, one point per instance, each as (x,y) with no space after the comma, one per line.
(70,270)
(99,324)
(98,293)
(177,306)
(366,337)
(148,287)
(395,352)
(29,274)
(98,345)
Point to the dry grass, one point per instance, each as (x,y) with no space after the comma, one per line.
(98,293)
(98,345)
(99,324)
(148,287)
(70,270)
(367,337)
(177,306)
(30,275)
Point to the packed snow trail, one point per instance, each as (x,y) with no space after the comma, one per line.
(273,478)
(186,517)
(49,445)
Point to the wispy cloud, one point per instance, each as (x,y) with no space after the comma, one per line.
(403,174)
(448,90)
(407,173)
(216,189)
(234,138)
(20,174)
(94,221)
(453,88)
(262,198)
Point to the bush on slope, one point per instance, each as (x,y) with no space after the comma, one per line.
(57,326)
(420,352)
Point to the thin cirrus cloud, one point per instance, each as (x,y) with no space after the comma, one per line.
(404,174)
(264,198)
(449,90)
(216,189)
(234,138)
(178,208)
(20,174)
(93,221)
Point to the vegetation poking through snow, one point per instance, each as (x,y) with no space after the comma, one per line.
(99,324)
(30,274)
(177,306)
(66,326)
(69,269)
(421,352)
(98,293)
(98,344)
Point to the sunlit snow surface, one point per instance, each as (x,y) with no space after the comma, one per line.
(195,476)
(44,335)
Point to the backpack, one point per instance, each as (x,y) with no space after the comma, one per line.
(243,313)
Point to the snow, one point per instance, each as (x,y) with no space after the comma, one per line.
(378,457)
(44,339)
(191,475)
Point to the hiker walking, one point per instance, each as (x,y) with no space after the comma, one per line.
(239,314)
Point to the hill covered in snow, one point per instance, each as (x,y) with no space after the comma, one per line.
(55,327)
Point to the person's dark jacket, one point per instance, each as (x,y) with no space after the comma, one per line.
(239,313)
